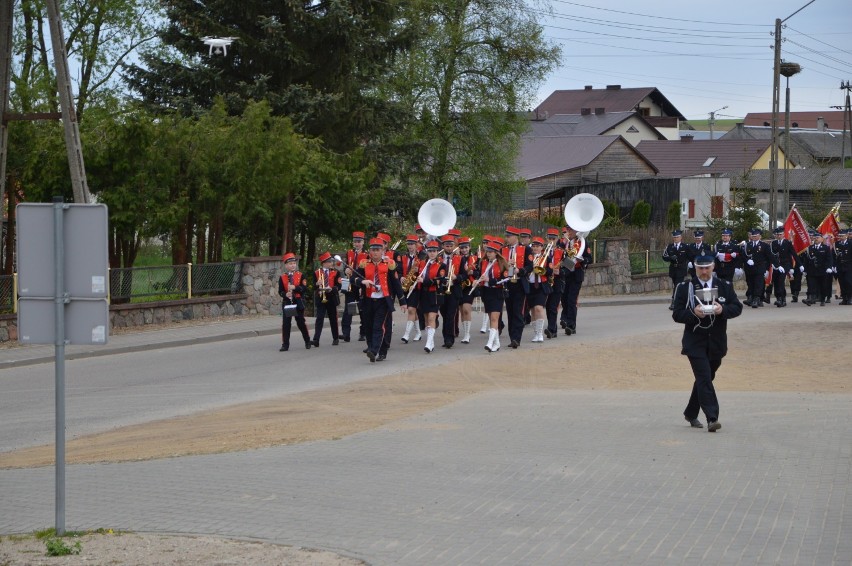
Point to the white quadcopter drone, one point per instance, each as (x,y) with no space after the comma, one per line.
(218,45)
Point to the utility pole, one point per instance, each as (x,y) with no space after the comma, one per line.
(712,120)
(847,123)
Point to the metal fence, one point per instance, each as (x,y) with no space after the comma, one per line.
(648,261)
(7,294)
(171,282)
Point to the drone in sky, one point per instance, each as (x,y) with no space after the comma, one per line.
(218,45)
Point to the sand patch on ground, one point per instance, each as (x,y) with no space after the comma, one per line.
(812,363)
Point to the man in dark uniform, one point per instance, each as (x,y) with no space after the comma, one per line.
(705,339)
(798,272)
(820,271)
(782,253)
(843,264)
(757,262)
(574,261)
(452,291)
(518,284)
(697,248)
(677,254)
(727,254)
(381,286)
(353,258)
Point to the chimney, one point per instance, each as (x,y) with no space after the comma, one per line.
(613,87)
(585,111)
(821,124)
(686,139)
(588,87)
(599,111)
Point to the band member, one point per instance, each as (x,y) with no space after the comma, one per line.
(525,239)
(326,298)
(410,269)
(677,255)
(539,285)
(389,253)
(843,263)
(516,255)
(292,288)
(782,254)
(557,282)
(757,261)
(726,253)
(381,286)
(491,274)
(697,248)
(577,257)
(486,320)
(354,257)
(452,290)
(431,278)
(467,263)
(819,270)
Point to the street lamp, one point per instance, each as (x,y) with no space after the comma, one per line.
(787,69)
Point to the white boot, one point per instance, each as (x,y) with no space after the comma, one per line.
(485,320)
(466,332)
(495,344)
(490,342)
(408,326)
(418,335)
(538,328)
(430,340)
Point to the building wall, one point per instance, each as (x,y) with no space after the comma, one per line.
(700,191)
(645,132)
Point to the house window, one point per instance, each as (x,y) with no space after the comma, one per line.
(795,124)
(716,206)
(691,208)
(767,124)
(632,130)
(644,111)
(709,162)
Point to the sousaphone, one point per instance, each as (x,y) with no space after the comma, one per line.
(436,216)
(583,213)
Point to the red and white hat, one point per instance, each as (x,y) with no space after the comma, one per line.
(324,257)
(538,240)
(289,256)
(433,245)
(377,243)
(358,235)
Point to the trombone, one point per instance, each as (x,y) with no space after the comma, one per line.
(422,273)
(482,277)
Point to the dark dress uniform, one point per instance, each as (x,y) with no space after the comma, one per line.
(704,342)
(819,270)
(326,303)
(843,262)
(757,261)
(727,259)
(554,299)
(677,255)
(295,282)
(379,305)
(782,267)
(450,305)
(800,261)
(574,282)
(697,249)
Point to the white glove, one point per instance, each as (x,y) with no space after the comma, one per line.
(689,265)
(834,270)
(765,274)
(750,262)
(828,270)
(733,254)
(781,270)
(738,272)
(720,256)
(801,269)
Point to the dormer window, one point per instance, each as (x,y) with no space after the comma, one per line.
(709,162)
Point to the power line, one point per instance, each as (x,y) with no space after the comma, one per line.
(662,17)
(643,27)
(648,38)
(819,41)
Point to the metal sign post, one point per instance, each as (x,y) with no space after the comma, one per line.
(69,307)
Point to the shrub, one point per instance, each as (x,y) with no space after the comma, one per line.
(673,215)
(640,216)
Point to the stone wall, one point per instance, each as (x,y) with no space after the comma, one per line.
(609,276)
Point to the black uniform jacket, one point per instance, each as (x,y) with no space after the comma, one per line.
(705,337)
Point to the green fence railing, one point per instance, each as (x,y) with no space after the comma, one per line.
(647,261)
(170,282)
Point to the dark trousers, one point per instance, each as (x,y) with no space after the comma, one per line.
(569,302)
(845,278)
(796,282)
(287,323)
(376,317)
(779,282)
(755,282)
(346,319)
(328,309)
(515,311)
(551,307)
(448,310)
(703,393)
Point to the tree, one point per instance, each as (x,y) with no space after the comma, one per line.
(476,64)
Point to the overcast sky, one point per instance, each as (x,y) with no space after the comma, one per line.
(704,55)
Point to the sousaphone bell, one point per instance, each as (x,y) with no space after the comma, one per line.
(583,213)
(436,216)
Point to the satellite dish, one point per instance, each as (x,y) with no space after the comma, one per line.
(218,45)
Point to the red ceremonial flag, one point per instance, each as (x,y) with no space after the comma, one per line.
(797,231)
(829,225)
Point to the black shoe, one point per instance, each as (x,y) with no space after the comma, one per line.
(753,304)
(548,333)
(822,303)
(346,338)
(315,343)
(404,340)
(671,307)
(307,345)
(694,423)
(448,345)
(362,339)
(335,342)
(284,348)
(514,344)
(365,350)
(795,299)
(372,356)
(572,329)
(381,357)
(807,302)
(563,324)
(828,300)
(713,426)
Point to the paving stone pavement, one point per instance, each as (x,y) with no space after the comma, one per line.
(507,477)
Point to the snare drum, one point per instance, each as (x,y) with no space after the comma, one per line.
(290,310)
(344,284)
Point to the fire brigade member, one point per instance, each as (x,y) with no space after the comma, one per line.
(726,253)
(326,298)
(782,254)
(677,255)
(291,288)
